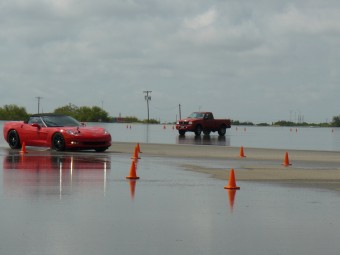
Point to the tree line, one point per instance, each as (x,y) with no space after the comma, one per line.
(82,113)
(97,114)
(283,123)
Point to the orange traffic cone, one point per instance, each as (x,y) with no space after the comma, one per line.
(133,174)
(135,154)
(232,181)
(23,148)
(138,148)
(286,161)
(242,152)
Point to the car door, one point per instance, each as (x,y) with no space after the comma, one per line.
(35,132)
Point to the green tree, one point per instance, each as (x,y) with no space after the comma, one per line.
(99,114)
(336,121)
(69,109)
(84,113)
(13,112)
(245,123)
(92,114)
(284,123)
(151,121)
(131,119)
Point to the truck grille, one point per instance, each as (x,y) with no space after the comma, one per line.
(183,122)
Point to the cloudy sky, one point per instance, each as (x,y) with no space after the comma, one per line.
(260,61)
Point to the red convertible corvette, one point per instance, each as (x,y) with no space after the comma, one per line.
(59,132)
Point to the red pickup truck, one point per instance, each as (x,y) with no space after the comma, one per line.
(199,122)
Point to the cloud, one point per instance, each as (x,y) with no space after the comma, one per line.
(214,55)
(309,21)
(203,20)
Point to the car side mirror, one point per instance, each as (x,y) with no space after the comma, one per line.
(36,125)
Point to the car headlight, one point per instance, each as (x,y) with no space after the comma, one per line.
(71,132)
(190,123)
(106,132)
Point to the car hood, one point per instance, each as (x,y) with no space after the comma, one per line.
(86,130)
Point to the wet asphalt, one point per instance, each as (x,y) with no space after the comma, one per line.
(82,203)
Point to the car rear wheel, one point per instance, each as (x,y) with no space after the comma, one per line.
(13,140)
(58,142)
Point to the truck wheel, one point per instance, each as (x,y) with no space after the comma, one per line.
(222,130)
(181,132)
(198,130)
(206,132)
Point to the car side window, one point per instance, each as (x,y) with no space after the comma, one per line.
(35,120)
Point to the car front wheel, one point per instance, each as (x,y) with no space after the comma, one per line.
(58,142)
(13,140)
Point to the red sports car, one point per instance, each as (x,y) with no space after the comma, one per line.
(59,132)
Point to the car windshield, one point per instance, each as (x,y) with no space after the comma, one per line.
(60,121)
(196,115)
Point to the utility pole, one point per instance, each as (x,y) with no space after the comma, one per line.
(147,98)
(38,103)
(180,111)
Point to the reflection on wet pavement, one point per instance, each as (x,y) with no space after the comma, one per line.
(53,174)
(81,203)
(204,140)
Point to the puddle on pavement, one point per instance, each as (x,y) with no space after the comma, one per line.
(81,203)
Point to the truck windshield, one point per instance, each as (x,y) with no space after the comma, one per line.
(196,115)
